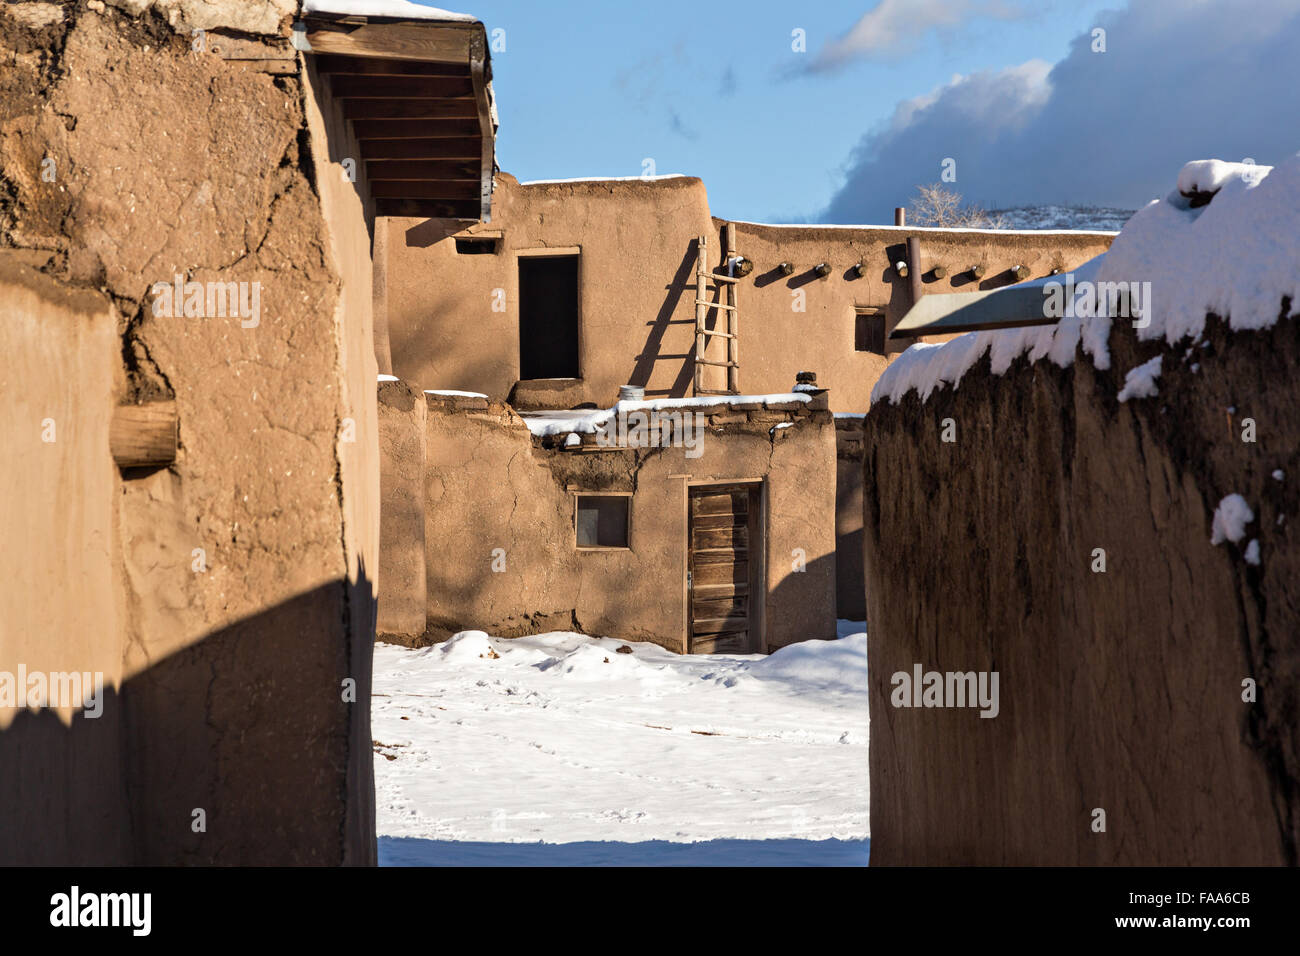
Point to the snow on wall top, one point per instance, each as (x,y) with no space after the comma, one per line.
(890,227)
(401,9)
(1210,175)
(604,179)
(566,422)
(1236,257)
(453,393)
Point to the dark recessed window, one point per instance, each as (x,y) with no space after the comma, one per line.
(548,317)
(476,246)
(869,330)
(602,520)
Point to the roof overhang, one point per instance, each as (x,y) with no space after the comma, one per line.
(1014,306)
(418,96)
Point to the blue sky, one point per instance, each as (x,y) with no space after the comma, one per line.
(844,131)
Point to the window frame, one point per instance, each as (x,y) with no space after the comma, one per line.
(870,313)
(627,495)
(550,252)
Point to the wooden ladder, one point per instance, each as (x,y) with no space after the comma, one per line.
(727,306)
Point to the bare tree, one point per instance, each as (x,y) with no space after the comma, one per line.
(937,205)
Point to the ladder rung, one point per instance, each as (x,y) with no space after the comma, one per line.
(700,361)
(721,335)
(717,278)
(714,391)
(715,305)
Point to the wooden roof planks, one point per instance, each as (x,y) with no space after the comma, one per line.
(418,95)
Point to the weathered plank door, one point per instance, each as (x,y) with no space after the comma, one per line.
(725,549)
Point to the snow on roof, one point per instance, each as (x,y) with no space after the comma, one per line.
(910,229)
(604,179)
(398,9)
(453,393)
(1209,175)
(1235,257)
(588,421)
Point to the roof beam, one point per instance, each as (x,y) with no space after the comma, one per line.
(463,108)
(448,189)
(464,147)
(437,41)
(487,134)
(405,129)
(346,87)
(421,169)
(418,98)
(337,65)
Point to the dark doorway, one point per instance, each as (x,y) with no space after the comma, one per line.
(548,317)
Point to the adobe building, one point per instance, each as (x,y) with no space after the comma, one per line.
(520,333)
(190,418)
(1082,542)
(200,289)
(710,531)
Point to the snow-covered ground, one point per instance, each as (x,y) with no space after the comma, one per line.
(559,749)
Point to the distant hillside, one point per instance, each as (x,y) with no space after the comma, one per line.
(1064,217)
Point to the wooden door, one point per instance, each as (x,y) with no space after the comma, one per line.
(724,557)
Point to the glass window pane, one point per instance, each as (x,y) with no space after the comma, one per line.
(602,521)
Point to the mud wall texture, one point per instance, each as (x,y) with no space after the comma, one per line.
(499,523)
(1120,690)
(247,566)
(637,244)
(402,444)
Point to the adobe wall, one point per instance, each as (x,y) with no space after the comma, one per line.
(1121,690)
(247,567)
(449,328)
(497,496)
(59,385)
(637,241)
(348,223)
(780,341)
(402,444)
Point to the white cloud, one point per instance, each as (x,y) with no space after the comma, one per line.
(1180,80)
(894,27)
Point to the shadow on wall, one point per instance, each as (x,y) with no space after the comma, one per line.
(432,231)
(248,725)
(546,603)
(802,605)
(850,587)
(470,375)
(410,343)
(651,351)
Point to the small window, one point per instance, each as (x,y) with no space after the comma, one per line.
(602,520)
(869,330)
(476,246)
